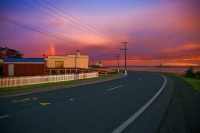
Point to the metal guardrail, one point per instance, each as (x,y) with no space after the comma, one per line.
(20,81)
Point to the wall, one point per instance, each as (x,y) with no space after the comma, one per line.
(52,59)
(25,69)
(5,69)
(70,61)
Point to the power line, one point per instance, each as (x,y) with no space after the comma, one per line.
(64,21)
(80,20)
(105,54)
(23,25)
(72,20)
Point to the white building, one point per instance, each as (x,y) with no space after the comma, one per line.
(68,61)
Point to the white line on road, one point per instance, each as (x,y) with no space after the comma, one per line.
(4,116)
(72,99)
(114,88)
(133,117)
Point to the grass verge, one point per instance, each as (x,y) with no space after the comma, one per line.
(195,82)
(26,87)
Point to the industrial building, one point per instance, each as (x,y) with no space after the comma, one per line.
(23,66)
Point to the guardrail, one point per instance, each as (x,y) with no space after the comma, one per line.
(20,81)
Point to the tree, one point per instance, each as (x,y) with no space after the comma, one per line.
(9,53)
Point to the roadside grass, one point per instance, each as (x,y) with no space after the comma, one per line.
(195,82)
(26,87)
(102,77)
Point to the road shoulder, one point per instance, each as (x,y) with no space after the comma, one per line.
(183,112)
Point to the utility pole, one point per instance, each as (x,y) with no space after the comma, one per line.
(118,61)
(44,55)
(125,72)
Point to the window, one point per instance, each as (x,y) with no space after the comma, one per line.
(59,64)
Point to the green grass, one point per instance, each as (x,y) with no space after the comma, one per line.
(195,82)
(26,87)
(102,77)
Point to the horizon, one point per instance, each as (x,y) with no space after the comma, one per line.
(157,31)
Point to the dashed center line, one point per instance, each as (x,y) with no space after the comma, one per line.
(133,117)
(114,88)
(72,99)
(4,116)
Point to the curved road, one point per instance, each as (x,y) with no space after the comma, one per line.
(114,106)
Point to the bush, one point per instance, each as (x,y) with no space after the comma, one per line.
(197,75)
(190,72)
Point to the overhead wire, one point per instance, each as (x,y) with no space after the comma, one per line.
(71,20)
(57,18)
(81,21)
(62,20)
(105,54)
(24,25)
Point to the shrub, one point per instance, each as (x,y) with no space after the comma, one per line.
(197,75)
(190,72)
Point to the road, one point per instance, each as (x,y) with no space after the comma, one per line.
(122,105)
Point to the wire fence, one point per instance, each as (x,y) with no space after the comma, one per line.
(20,81)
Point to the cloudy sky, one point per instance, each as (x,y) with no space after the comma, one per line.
(166,31)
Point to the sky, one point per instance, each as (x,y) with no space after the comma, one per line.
(166,31)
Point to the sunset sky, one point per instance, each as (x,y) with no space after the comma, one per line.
(166,31)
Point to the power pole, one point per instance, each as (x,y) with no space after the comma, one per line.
(125,72)
(44,55)
(118,61)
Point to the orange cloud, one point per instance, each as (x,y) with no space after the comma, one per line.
(190,46)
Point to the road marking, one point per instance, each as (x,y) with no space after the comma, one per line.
(44,104)
(4,116)
(133,117)
(72,99)
(25,100)
(114,88)
(139,79)
(19,112)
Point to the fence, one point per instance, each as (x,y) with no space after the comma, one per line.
(48,71)
(20,81)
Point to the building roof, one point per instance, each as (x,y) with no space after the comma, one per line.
(24,60)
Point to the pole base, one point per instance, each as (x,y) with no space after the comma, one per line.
(125,72)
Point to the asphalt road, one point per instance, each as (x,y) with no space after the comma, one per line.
(101,107)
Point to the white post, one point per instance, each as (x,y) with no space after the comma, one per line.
(125,72)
